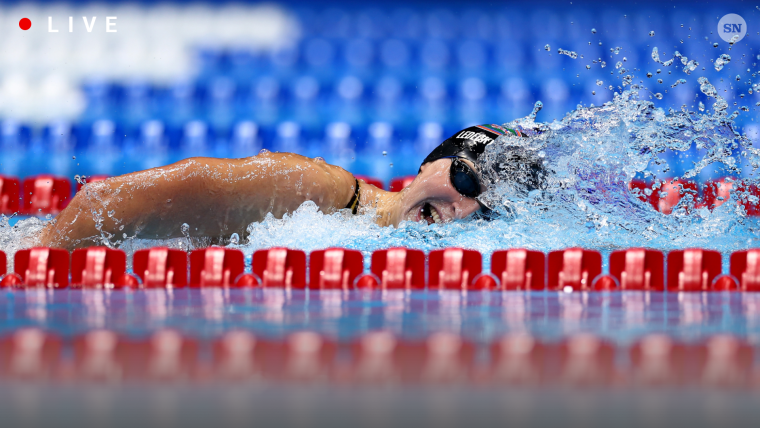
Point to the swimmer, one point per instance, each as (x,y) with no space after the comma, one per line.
(219,197)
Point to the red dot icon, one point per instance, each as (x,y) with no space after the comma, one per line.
(25,24)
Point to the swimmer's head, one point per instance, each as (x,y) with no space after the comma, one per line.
(449,183)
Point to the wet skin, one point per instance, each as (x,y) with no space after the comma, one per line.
(218,197)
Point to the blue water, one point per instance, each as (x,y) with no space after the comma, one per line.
(477,316)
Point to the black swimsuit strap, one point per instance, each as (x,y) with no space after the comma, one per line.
(353,204)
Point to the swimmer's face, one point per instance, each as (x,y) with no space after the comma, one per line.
(431,197)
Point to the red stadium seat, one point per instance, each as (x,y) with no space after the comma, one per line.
(519,269)
(573,267)
(42,267)
(400,183)
(638,269)
(280,267)
(10,188)
(334,268)
(517,359)
(371,180)
(745,267)
(453,268)
(46,194)
(216,267)
(161,267)
(98,267)
(29,353)
(91,179)
(693,269)
(399,268)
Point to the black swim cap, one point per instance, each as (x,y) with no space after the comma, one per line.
(470,143)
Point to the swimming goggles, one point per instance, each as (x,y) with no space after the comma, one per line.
(464,179)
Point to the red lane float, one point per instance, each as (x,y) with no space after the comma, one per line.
(91,179)
(638,269)
(165,355)
(280,267)
(455,269)
(100,267)
(440,359)
(396,269)
(692,269)
(400,183)
(334,268)
(99,356)
(587,360)
(374,359)
(161,267)
(303,357)
(517,359)
(45,194)
(657,360)
(234,356)
(726,361)
(519,269)
(575,268)
(216,267)
(745,268)
(30,354)
(39,268)
(371,180)
(10,194)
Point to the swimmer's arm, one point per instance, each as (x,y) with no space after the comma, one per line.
(214,197)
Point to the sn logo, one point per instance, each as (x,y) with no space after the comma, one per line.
(732,28)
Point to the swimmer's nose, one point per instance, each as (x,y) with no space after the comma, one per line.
(465,207)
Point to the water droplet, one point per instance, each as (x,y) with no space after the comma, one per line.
(593,31)
(319,159)
(547,47)
(234,239)
(385,153)
(185,228)
(121,227)
(263,151)
(599,83)
(593,92)
(571,54)
(715,45)
(391,164)
(658,96)
(738,78)
(651,34)
(649,74)
(659,80)
(73,157)
(588,67)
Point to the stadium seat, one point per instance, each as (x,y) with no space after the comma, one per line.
(98,267)
(161,267)
(91,179)
(30,353)
(745,267)
(399,268)
(453,268)
(334,268)
(575,268)
(400,183)
(216,267)
(280,267)
(638,269)
(10,193)
(519,269)
(692,269)
(41,267)
(45,194)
